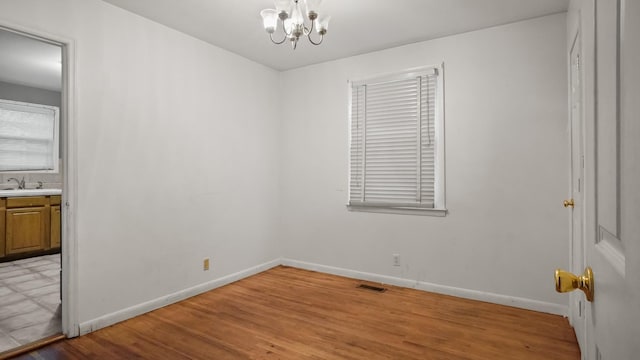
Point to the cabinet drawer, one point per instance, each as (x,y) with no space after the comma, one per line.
(55,200)
(26,201)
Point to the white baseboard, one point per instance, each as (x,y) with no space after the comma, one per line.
(529,304)
(128,313)
(133,311)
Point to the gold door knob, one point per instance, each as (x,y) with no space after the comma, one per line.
(568,203)
(566,282)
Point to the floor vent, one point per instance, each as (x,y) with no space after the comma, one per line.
(371,288)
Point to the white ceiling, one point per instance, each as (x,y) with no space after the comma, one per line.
(29,62)
(357,26)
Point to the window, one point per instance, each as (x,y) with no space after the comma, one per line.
(28,137)
(396,143)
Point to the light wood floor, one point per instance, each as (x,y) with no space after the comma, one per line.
(288,313)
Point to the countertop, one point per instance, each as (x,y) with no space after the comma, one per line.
(29,192)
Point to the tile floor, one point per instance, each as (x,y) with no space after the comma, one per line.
(29,300)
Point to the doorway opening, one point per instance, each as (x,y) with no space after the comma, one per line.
(34,108)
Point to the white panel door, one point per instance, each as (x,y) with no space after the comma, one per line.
(613,318)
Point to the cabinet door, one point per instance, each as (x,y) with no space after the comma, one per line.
(55,227)
(26,229)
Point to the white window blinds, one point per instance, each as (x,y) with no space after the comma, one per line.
(28,137)
(393,141)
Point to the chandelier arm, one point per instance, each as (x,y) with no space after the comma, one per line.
(313,42)
(277,42)
(308,31)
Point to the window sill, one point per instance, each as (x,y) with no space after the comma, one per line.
(399,210)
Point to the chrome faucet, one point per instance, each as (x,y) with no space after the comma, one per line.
(20,182)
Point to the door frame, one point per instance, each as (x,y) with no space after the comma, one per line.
(69,248)
(577,260)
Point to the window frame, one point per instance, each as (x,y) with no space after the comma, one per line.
(439,208)
(55,153)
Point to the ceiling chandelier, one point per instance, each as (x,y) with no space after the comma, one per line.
(292,21)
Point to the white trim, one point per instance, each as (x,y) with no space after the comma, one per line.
(349,134)
(69,284)
(419,138)
(396,75)
(518,302)
(398,210)
(609,247)
(363,144)
(139,309)
(70,322)
(439,171)
(133,311)
(577,316)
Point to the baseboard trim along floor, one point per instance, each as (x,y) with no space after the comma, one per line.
(500,299)
(118,316)
(290,313)
(133,311)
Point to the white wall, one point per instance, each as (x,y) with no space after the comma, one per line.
(182,155)
(506,166)
(177,154)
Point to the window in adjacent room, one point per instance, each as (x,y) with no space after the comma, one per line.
(28,137)
(397,143)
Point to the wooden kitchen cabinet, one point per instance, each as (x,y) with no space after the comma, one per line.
(29,226)
(55,226)
(26,229)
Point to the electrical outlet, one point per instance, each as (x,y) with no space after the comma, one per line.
(205,264)
(396,259)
